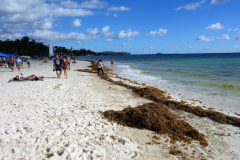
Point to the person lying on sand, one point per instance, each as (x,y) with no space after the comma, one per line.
(31,77)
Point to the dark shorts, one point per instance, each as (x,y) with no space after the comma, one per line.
(11,64)
(58,69)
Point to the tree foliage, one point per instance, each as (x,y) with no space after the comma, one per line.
(28,47)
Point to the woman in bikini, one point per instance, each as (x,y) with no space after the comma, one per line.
(65,67)
(27,78)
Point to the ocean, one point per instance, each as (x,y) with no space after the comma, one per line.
(212,79)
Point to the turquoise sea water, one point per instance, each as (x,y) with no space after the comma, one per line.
(216,75)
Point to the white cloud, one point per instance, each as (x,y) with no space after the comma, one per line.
(236,46)
(224,37)
(70,12)
(217,1)
(152,48)
(192,47)
(79,43)
(11,36)
(109,40)
(115,15)
(203,38)
(122,8)
(238,37)
(91,31)
(45,24)
(235,29)
(15,11)
(215,26)
(44,35)
(69,4)
(124,45)
(126,34)
(103,33)
(191,6)
(129,39)
(75,23)
(160,32)
(93,4)
(13,28)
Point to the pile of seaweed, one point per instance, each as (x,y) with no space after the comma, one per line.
(156,95)
(157,118)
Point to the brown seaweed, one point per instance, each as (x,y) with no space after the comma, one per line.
(157,118)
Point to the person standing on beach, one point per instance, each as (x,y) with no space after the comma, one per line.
(3,60)
(28,63)
(18,63)
(65,67)
(21,63)
(68,60)
(112,62)
(57,64)
(11,63)
(99,66)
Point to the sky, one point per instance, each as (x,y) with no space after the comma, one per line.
(135,26)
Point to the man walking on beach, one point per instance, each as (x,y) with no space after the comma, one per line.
(11,62)
(57,64)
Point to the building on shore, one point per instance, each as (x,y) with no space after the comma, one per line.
(105,53)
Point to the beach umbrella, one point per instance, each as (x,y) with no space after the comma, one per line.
(3,55)
(14,55)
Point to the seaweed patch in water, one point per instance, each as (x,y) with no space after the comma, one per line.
(157,118)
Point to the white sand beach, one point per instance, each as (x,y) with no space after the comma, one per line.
(59,119)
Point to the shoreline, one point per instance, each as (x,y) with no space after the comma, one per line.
(59,118)
(193,96)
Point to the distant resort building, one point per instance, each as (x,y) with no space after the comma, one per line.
(112,53)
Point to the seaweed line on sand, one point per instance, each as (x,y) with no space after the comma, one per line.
(160,97)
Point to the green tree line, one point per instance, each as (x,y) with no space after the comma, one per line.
(28,47)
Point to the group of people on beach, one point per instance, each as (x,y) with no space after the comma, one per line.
(12,61)
(60,64)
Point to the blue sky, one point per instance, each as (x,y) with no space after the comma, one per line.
(135,26)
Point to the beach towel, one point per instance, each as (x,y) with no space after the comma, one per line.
(12,80)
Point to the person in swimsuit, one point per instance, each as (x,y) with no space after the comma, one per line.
(11,62)
(68,60)
(65,67)
(18,78)
(112,62)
